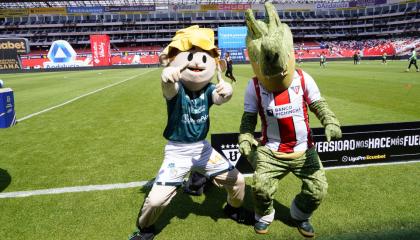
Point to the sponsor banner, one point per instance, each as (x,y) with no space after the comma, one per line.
(62,55)
(78,10)
(209,7)
(363,144)
(365,3)
(139,8)
(10,48)
(236,54)
(231,37)
(7,108)
(40,11)
(185,8)
(101,50)
(225,7)
(18,45)
(331,5)
(234,7)
(14,12)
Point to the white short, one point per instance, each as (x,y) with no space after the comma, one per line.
(181,158)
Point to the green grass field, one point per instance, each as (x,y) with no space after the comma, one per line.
(115,136)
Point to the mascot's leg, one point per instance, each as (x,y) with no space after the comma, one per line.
(309,169)
(159,197)
(224,174)
(157,200)
(269,170)
(176,165)
(234,184)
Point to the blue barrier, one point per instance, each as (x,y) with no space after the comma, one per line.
(7,108)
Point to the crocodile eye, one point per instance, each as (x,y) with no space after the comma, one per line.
(190,56)
(204,59)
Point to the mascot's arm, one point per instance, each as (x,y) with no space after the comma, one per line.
(246,137)
(170,89)
(327,119)
(170,77)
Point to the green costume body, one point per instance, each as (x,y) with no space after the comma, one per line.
(271,168)
(271,53)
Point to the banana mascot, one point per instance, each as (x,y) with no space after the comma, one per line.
(281,95)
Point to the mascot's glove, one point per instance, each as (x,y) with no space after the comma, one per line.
(327,118)
(172,74)
(246,143)
(224,89)
(246,138)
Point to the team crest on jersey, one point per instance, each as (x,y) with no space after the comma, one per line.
(295,89)
(231,152)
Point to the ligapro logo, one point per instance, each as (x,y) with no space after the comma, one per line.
(61,52)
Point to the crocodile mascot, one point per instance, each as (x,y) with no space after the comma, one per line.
(281,95)
(191,62)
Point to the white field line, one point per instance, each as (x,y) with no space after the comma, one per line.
(81,96)
(89,188)
(72,189)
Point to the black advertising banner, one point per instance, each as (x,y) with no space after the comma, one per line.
(361,144)
(10,48)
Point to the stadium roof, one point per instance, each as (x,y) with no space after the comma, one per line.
(84,3)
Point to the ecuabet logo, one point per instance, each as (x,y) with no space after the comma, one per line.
(62,55)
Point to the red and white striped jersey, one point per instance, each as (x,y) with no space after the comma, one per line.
(284,115)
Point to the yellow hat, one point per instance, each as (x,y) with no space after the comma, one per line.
(186,38)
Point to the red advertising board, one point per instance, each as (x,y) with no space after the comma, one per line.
(101,51)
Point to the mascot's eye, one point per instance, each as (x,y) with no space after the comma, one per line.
(204,59)
(190,57)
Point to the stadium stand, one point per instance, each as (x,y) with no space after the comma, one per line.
(139,29)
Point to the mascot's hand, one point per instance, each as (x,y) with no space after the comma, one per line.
(246,144)
(172,73)
(332,131)
(223,88)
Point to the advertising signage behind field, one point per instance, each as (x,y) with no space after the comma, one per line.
(10,48)
(363,144)
(232,40)
(101,50)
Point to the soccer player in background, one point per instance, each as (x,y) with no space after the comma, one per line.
(229,67)
(384,58)
(322,60)
(413,60)
(355,58)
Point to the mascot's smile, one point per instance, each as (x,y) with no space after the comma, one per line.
(195,69)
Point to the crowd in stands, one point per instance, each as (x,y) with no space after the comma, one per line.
(126,55)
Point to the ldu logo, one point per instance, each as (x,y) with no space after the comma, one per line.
(61,52)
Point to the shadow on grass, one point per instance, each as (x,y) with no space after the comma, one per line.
(397,234)
(5,179)
(182,205)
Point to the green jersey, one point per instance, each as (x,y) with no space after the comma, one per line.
(413,55)
(188,115)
